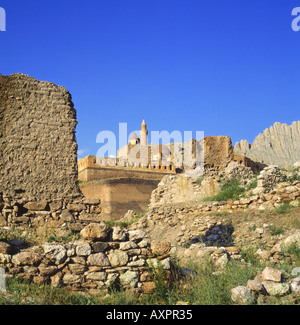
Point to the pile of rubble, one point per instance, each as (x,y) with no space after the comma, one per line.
(269,282)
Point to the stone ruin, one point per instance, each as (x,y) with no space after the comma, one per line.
(39,195)
(38,157)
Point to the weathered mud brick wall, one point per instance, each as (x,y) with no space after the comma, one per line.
(38,149)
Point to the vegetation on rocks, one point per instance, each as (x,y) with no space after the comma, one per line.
(231,190)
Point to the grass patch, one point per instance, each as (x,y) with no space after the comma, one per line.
(231,190)
(274,231)
(283,208)
(210,288)
(252,185)
(24,293)
(294,249)
(53,238)
(124,224)
(200,180)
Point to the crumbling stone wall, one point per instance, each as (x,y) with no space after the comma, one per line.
(103,258)
(38,149)
(218,151)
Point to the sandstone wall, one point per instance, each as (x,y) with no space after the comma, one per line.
(95,173)
(120,195)
(218,151)
(38,157)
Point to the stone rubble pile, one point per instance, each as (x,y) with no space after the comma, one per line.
(234,170)
(269,282)
(274,187)
(268,178)
(220,256)
(279,252)
(182,188)
(104,257)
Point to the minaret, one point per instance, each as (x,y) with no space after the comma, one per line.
(144,134)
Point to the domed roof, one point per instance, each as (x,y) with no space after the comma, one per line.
(134,136)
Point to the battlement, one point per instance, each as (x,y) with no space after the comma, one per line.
(93,168)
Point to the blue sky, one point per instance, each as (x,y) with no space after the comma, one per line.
(223,67)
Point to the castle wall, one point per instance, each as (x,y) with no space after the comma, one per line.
(94,173)
(38,149)
(243,160)
(120,195)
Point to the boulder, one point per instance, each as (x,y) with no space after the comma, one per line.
(55,252)
(47,269)
(36,205)
(5,248)
(130,278)
(96,231)
(242,296)
(98,259)
(160,248)
(83,249)
(118,258)
(270,274)
(137,235)
(276,289)
(295,285)
(26,258)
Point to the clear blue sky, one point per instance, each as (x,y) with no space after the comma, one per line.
(223,67)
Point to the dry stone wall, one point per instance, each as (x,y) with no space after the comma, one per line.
(38,157)
(104,258)
(58,216)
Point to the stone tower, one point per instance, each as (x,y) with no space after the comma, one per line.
(144,134)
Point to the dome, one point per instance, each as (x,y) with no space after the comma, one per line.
(134,136)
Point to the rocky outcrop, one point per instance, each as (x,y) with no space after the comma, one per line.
(38,149)
(278,145)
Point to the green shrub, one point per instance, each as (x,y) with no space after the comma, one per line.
(231,190)
(294,249)
(274,231)
(200,180)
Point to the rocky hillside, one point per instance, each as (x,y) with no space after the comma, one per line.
(179,211)
(278,145)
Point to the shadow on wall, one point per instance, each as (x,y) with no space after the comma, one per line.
(120,195)
(220,235)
